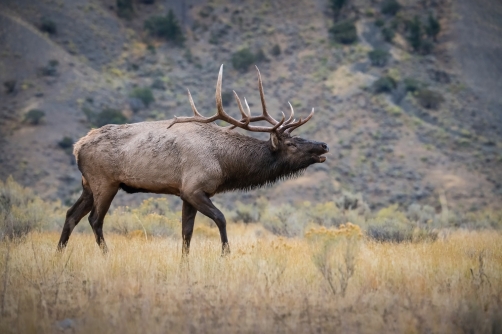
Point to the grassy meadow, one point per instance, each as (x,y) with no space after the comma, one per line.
(339,277)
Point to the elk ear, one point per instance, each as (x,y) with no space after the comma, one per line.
(274,141)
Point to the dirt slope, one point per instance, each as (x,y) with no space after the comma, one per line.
(385,146)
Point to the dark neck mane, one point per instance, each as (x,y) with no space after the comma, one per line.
(249,164)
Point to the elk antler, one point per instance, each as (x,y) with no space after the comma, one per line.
(283,126)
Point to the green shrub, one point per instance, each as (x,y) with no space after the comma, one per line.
(206,11)
(429,99)
(415,34)
(226,98)
(433,27)
(51,69)
(344,32)
(260,56)
(166,27)
(10,86)
(48,26)
(276,50)
(384,85)
(390,7)
(108,116)
(66,143)
(34,116)
(388,34)
(378,57)
(20,210)
(427,47)
(125,8)
(412,85)
(379,22)
(390,230)
(336,7)
(144,94)
(242,59)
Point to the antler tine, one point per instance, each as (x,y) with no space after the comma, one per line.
(192,104)
(266,116)
(292,114)
(292,126)
(222,115)
(245,117)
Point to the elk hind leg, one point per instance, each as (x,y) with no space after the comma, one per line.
(73,216)
(187,222)
(102,201)
(200,201)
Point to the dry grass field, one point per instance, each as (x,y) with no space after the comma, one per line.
(267,284)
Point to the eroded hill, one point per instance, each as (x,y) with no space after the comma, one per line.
(391,144)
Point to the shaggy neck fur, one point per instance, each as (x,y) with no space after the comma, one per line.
(250,163)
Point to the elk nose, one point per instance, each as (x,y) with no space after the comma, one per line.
(325,147)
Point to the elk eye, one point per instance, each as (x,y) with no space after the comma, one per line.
(290,144)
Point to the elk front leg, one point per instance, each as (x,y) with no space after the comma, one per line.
(75,214)
(187,221)
(201,202)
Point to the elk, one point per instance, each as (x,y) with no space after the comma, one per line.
(190,157)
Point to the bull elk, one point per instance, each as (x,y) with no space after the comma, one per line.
(189,157)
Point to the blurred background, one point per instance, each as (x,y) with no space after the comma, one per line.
(407,93)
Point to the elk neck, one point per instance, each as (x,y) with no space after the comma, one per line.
(249,163)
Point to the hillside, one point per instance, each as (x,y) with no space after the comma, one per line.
(387,146)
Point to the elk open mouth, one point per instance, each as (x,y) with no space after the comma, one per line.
(319,158)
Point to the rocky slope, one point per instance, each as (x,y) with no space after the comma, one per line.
(386,146)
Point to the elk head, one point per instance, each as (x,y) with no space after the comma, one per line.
(294,151)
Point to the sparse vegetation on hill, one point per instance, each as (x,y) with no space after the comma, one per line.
(34,116)
(242,59)
(166,27)
(390,7)
(49,26)
(144,94)
(378,57)
(344,32)
(106,116)
(429,99)
(125,8)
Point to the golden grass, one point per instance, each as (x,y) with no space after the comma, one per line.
(267,284)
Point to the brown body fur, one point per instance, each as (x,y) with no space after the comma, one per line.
(189,158)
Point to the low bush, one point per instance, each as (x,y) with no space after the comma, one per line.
(390,7)
(388,34)
(276,50)
(429,99)
(336,7)
(21,211)
(51,69)
(166,27)
(433,27)
(110,116)
(144,94)
(49,26)
(344,32)
(125,8)
(390,230)
(379,22)
(10,86)
(226,98)
(427,47)
(379,57)
(34,116)
(66,143)
(384,85)
(412,85)
(242,59)
(415,33)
